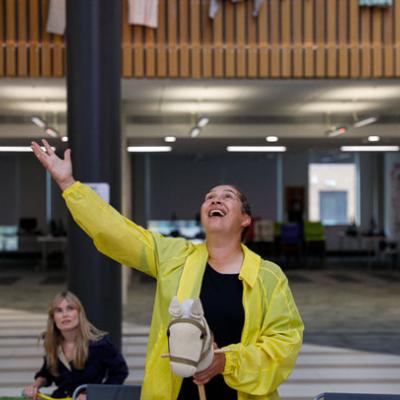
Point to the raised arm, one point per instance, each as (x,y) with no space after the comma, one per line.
(60,169)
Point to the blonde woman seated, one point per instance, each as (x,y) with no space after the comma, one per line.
(76,352)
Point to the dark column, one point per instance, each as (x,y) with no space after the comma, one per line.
(93,87)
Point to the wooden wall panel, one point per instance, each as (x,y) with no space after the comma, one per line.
(397,37)
(274,21)
(354,40)
(298,41)
(331,20)
(366,59)
(230,60)
(309,41)
(263,41)
(2,57)
(183,20)
(150,53)
(285,36)
(172,18)
(240,23)
(161,62)
(11,62)
(34,61)
(207,40)
(126,44)
(218,45)
(46,49)
(388,56)
(195,34)
(22,38)
(320,35)
(377,34)
(288,39)
(343,34)
(251,44)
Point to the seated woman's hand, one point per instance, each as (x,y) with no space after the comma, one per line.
(31,392)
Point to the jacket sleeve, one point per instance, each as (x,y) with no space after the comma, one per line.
(259,368)
(44,373)
(117,369)
(116,236)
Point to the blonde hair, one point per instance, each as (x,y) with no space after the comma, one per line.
(52,337)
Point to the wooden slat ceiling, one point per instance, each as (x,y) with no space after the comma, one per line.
(289,39)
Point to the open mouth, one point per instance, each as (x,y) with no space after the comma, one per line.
(216,213)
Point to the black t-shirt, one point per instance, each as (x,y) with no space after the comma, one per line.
(221,296)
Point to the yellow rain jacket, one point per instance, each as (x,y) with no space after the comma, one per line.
(272,331)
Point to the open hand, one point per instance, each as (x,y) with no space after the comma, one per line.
(60,169)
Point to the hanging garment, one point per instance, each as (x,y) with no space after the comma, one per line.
(214,6)
(143,12)
(56,17)
(380,3)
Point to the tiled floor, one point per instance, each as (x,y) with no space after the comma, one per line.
(352,319)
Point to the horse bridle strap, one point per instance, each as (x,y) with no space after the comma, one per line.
(188,321)
(203,350)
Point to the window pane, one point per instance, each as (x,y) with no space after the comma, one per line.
(332,190)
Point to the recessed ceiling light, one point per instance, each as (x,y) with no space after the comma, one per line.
(256,148)
(202,122)
(374,138)
(170,139)
(194,132)
(148,149)
(365,122)
(52,132)
(370,148)
(271,139)
(39,122)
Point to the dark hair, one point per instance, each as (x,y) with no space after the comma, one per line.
(246,207)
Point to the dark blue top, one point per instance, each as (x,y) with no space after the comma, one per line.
(105,364)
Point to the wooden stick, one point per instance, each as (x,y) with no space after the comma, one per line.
(202,392)
(219,351)
(165,356)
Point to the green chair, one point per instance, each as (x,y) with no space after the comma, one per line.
(314,240)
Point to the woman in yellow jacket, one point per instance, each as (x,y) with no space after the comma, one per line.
(247,300)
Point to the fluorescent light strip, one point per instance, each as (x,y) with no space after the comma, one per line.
(256,148)
(202,122)
(365,122)
(195,132)
(39,122)
(148,149)
(18,149)
(370,148)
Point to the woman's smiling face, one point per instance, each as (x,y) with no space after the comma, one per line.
(222,210)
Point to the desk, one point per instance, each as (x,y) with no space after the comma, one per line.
(49,240)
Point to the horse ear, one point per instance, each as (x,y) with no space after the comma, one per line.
(175,308)
(196,310)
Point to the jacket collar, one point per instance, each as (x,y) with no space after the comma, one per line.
(251,266)
(190,282)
